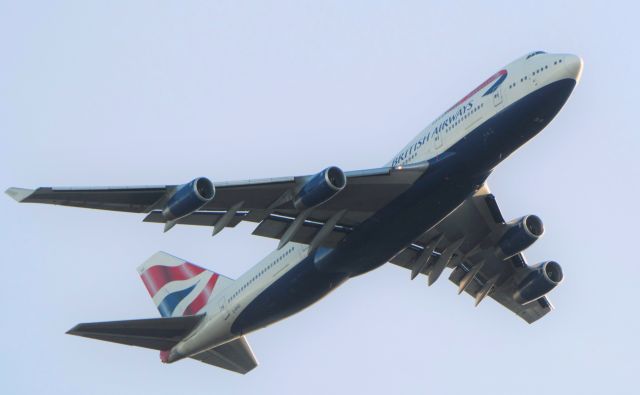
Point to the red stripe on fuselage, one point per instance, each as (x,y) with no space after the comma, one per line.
(473,92)
(203,297)
(156,277)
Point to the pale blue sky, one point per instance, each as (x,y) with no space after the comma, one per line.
(154,92)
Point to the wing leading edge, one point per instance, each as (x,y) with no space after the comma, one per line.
(267,202)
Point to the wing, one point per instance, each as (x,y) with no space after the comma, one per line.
(466,241)
(265,201)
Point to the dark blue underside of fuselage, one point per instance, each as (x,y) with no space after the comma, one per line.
(449,180)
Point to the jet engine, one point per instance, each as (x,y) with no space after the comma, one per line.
(188,198)
(521,234)
(543,278)
(320,188)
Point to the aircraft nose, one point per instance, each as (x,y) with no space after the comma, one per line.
(573,66)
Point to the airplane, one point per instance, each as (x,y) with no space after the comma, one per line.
(428,209)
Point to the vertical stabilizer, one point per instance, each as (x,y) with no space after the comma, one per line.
(178,287)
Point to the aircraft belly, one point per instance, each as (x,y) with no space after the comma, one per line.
(297,289)
(376,242)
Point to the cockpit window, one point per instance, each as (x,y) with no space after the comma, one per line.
(532,54)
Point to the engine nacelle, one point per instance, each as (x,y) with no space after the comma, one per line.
(543,278)
(520,235)
(320,188)
(188,198)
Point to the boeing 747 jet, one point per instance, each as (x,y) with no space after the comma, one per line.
(427,209)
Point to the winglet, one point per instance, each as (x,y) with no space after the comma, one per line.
(19,194)
(168,225)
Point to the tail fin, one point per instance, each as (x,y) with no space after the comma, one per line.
(179,288)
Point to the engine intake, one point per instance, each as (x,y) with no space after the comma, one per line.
(188,198)
(521,234)
(320,188)
(543,278)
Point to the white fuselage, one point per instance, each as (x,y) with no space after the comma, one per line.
(220,313)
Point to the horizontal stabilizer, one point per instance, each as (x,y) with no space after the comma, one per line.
(154,333)
(235,356)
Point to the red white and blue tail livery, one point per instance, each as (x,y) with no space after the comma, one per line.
(178,287)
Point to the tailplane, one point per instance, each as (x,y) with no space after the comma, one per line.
(154,333)
(235,356)
(177,287)
(164,333)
